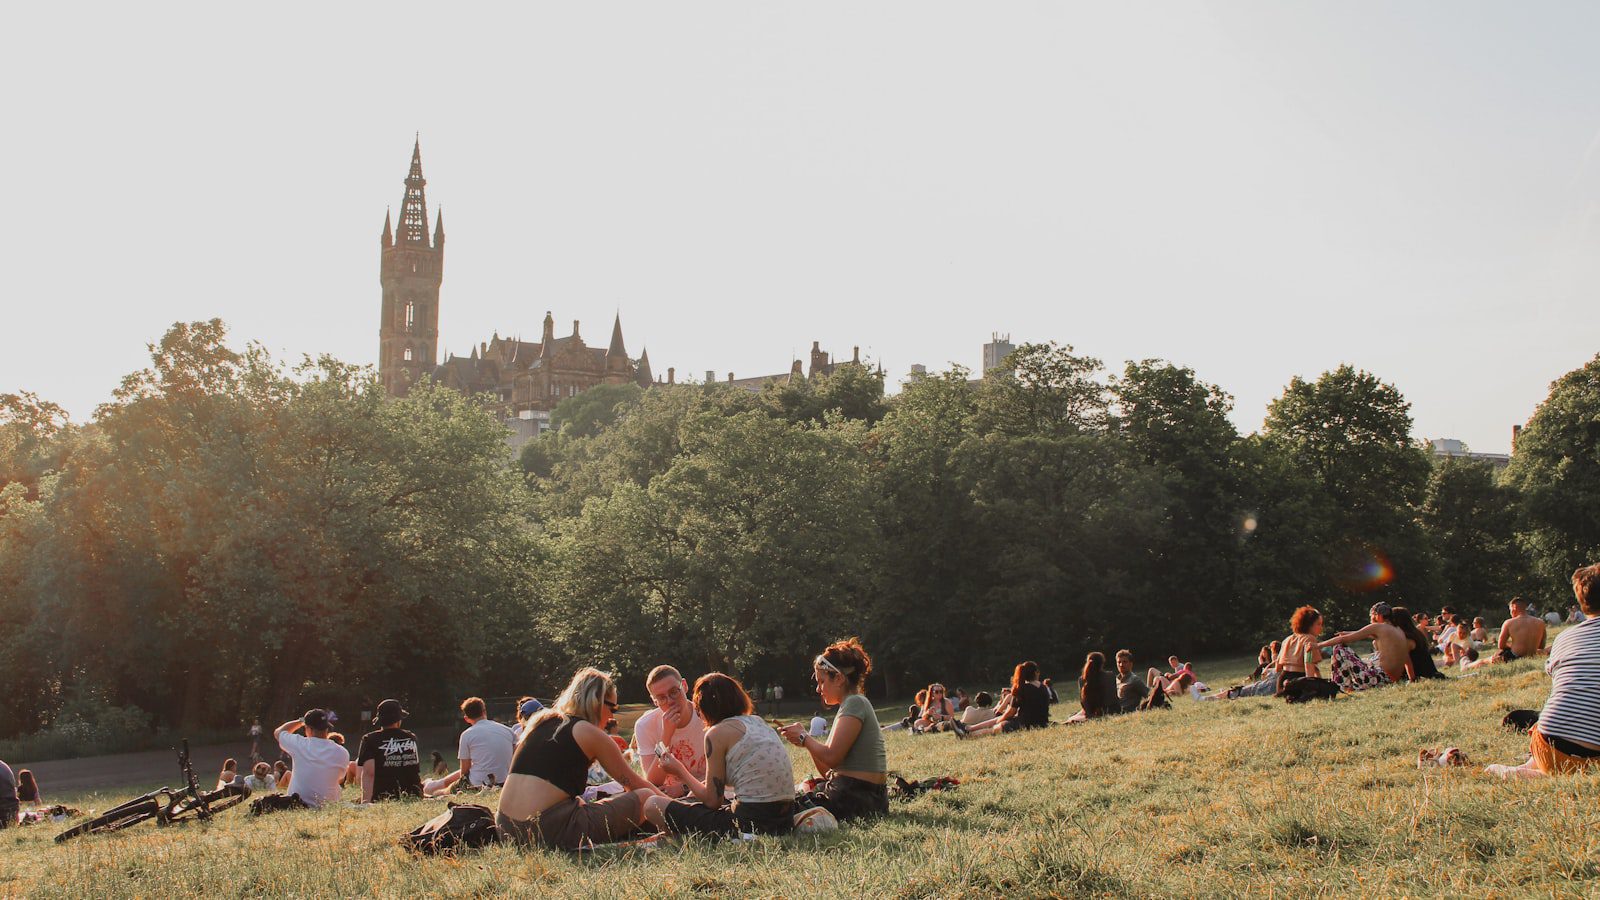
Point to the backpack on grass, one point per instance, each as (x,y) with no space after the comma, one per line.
(463,825)
(272,803)
(1304,690)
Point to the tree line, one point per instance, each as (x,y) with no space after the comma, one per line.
(230,536)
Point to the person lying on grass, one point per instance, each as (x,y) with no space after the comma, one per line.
(542,802)
(913,713)
(1263,681)
(1173,683)
(1028,706)
(853,759)
(742,752)
(1566,738)
(1352,673)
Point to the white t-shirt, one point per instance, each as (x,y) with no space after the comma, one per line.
(318,765)
(819,726)
(688,746)
(489,745)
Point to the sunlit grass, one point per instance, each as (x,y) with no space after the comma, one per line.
(1208,799)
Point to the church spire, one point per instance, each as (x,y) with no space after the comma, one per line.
(438,229)
(645,376)
(388,231)
(616,348)
(414,207)
(549,335)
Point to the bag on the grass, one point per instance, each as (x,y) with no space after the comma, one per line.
(1304,690)
(1521,719)
(905,790)
(468,825)
(1156,699)
(272,803)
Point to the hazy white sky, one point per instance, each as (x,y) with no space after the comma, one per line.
(1255,190)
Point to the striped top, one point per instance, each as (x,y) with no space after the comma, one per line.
(1573,710)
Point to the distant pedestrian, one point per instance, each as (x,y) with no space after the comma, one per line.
(255,741)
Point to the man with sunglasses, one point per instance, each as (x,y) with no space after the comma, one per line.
(674,723)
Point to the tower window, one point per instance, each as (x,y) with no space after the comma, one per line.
(411,316)
(408,354)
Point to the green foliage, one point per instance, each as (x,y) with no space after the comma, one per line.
(1556,471)
(1471,522)
(592,411)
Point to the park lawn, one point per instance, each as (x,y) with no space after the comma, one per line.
(1208,799)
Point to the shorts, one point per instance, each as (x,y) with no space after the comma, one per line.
(573,823)
(851,798)
(775,817)
(1555,756)
(8,813)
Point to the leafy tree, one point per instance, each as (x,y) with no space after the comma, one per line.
(852,391)
(1556,468)
(1471,522)
(1044,389)
(594,410)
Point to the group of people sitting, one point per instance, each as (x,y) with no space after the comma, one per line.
(17,788)
(701,761)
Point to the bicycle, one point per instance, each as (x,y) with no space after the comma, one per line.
(165,805)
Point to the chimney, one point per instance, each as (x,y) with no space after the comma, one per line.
(711,376)
(672,375)
(574,327)
(1516,432)
(919,369)
(857,357)
(730,378)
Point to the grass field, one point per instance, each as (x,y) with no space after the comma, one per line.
(1251,797)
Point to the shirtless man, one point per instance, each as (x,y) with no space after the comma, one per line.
(1389,641)
(1521,635)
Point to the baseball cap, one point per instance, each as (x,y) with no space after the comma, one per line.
(530,707)
(316,719)
(390,712)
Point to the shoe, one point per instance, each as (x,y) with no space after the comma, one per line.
(815,820)
(958,729)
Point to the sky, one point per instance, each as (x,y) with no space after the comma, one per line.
(1256,190)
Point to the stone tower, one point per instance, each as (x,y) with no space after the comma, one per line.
(410,272)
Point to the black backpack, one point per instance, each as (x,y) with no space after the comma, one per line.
(1520,720)
(1304,690)
(462,825)
(272,803)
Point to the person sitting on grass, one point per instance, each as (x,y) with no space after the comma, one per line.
(352,775)
(961,700)
(1299,653)
(229,774)
(281,774)
(1419,656)
(484,750)
(1180,679)
(260,780)
(542,803)
(439,769)
(9,806)
(1522,635)
(742,753)
(526,707)
(1028,706)
(319,763)
(938,713)
(853,759)
(1263,680)
(980,710)
(1131,689)
(1097,690)
(1352,673)
(1479,633)
(674,723)
(913,713)
(1566,738)
(388,759)
(28,788)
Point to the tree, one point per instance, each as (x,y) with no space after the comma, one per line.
(594,410)
(1351,434)
(1556,468)
(1044,389)
(1471,523)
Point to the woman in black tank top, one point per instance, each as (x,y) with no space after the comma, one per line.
(542,802)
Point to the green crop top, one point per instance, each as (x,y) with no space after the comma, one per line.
(866,754)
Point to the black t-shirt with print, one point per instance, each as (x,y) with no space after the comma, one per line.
(1033,705)
(396,769)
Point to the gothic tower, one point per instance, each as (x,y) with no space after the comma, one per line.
(410,272)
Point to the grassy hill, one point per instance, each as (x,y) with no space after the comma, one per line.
(1208,799)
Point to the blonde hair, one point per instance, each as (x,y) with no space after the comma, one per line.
(582,699)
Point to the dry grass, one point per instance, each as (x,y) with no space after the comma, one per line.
(1214,799)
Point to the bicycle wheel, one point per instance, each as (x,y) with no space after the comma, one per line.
(124,816)
(215,802)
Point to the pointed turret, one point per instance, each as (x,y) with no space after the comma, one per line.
(549,335)
(438,230)
(616,354)
(388,231)
(645,378)
(414,206)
